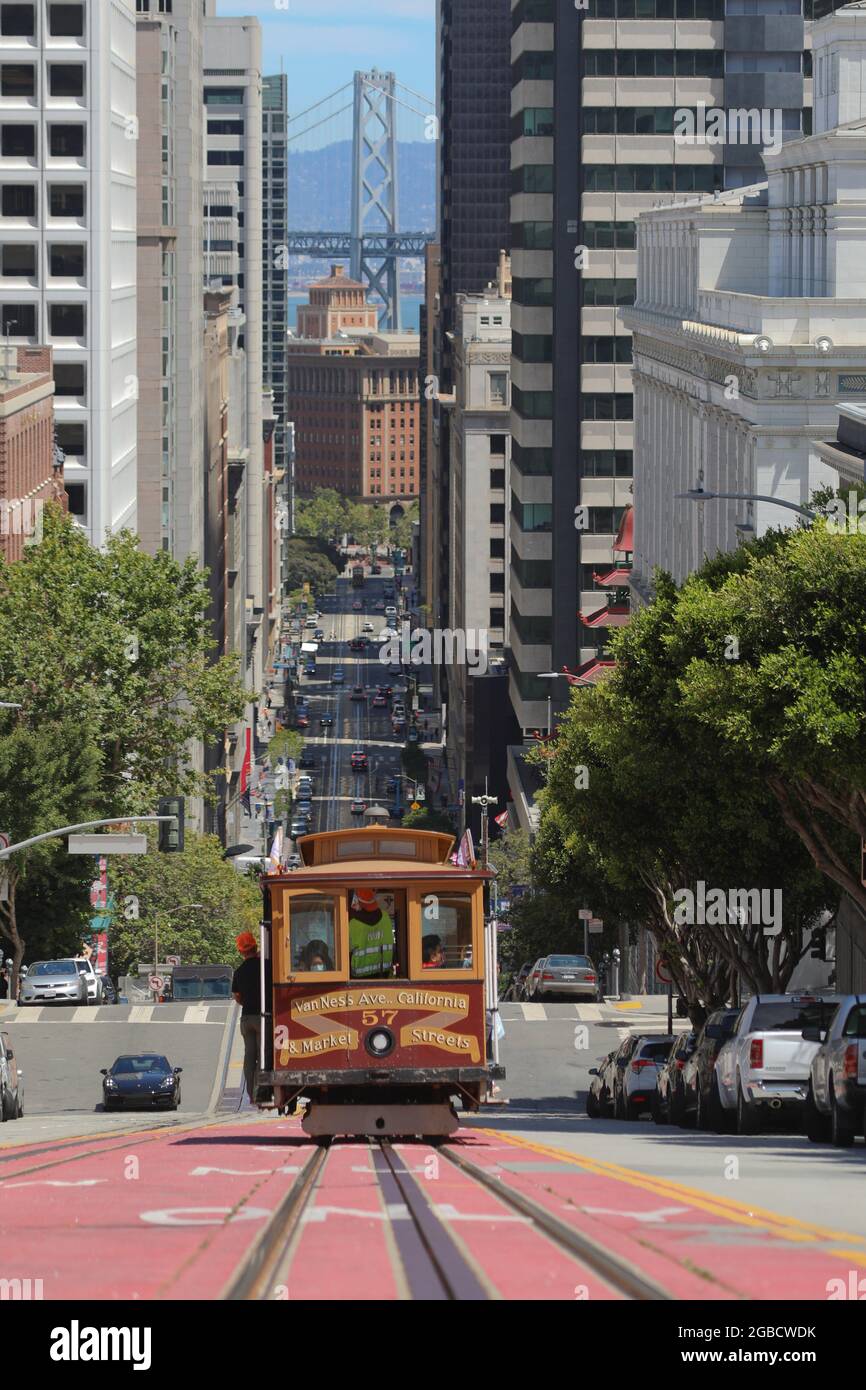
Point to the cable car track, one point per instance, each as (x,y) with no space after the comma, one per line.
(432,1264)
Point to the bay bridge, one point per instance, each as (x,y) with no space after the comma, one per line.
(374,242)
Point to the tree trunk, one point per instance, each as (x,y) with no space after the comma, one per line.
(9,931)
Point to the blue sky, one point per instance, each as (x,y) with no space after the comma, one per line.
(322,42)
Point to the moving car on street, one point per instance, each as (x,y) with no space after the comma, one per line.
(358,693)
(764,1067)
(11,1082)
(358,807)
(359,760)
(572,977)
(145,1078)
(338,676)
(326,721)
(836,1095)
(53,982)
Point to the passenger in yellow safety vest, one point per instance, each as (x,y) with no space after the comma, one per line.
(371,937)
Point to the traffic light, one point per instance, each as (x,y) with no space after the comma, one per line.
(171,832)
(818,944)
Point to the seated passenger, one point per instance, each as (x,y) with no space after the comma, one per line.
(432,953)
(315,956)
(371,937)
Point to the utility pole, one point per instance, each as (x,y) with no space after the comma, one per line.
(485,802)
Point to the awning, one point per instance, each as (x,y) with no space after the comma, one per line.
(618,615)
(614,579)
(624,543)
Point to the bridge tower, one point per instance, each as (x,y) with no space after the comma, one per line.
(374,186)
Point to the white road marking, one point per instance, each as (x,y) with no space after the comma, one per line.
(394,1211)
(29,1015)
(533,1012)
(203,1216)
(141,1013)
(196,1013)
(85,1014)
(449,1213)
(589,1013)
(57,1182)
(241,1172)
(653,1218)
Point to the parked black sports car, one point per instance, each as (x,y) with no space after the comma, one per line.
(144,1078)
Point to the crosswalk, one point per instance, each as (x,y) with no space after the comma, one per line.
(214,1015)
(608,1012)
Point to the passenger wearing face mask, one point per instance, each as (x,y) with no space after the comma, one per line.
(315,956)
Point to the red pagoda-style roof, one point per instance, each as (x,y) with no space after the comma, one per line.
(614,579)
(591,672)
(616,615)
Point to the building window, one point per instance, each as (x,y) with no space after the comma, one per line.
(67,262)
(497,478)
(19,200)
(607,407)
(17,80)
(533,405)
(18,21)
(18,261)
(77,494)
(532,178)
(66,200)
(606,463)
(532,120)
(70,379)
(18,141)
(497,583)
(66,141)
(604,293)
(66,320)
(497,444)
(532,516)
(497,513)
(608,236)
(71,438)
(535,462)
(607,349)
(18,320)
(497,388)
(497,548)
(225,127)
(66,21)
(66,79)
(536,293)
(532,347)
(235,157)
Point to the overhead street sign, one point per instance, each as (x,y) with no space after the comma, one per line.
(585,914)
(596,924)
(107,844)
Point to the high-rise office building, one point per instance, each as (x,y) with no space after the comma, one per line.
(275,116)
(601,106)
(68,233)
(170,144)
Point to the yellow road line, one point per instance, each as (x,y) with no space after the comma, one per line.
(786,1227)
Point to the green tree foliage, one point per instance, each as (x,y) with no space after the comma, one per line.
(148,888)
(50,776)
(425,818)
(119,641)
(414,763)
(323,516)
(308,562)
(644,799)
(401,531)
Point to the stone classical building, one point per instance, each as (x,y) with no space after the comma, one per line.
(749,328)
(31,472)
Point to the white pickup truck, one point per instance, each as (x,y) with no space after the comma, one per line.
(765,1065)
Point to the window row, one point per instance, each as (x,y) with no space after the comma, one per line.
(20,200)
(20,260)
(613,349)
(654,62)
(531,574)
(608,236)
(653,178)
(603,293)
(64,320)
(606,463)
(19,80)
(19,21)
(661,120)
(607,406)
(18,141)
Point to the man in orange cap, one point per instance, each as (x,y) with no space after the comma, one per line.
(247,990)
(371,937)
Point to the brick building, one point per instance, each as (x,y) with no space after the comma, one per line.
(30,475)
(353,394)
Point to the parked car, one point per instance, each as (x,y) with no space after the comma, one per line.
(571,976)
(621,1059)
(399,710)
(765,1065)
(86,968)
(357,606)
(359,760)
(699,1070)
(319,634)
(302,721)
(53,982)
(668,1103)
(637,1079)
(298,827)
(307,759)
(836,1095)
(142,1079)
(520,980)
(358,644)
(598,1097)
(532,979)
(11,1082)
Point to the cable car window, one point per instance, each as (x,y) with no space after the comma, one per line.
(313,935)
(354,849)
(375,933)
(446,932)
(399,849)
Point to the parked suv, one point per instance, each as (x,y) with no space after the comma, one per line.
(766,1064)
(54,982)
(636,1080)
(11,1083)
(836,1095)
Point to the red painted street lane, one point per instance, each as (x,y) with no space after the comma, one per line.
(696,1245)
(169,1213)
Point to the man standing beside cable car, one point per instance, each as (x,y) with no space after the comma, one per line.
(247,991)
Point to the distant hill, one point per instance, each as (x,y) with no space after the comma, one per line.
(320,191)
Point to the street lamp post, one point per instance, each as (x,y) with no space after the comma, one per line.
(700,494)
(550,676)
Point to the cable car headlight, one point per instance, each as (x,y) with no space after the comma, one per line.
(379,1042)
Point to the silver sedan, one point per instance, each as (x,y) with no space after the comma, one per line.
(574,977)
